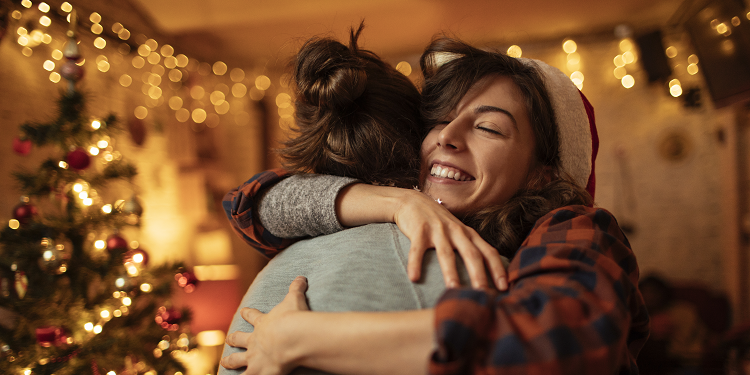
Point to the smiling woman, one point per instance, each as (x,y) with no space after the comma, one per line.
(519,135)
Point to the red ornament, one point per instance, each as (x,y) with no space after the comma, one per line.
(24,213)
(71,71)
(21,146)
(168,318)
(187,280)
(51,335)
(78,159)
(115,242)
(136,256)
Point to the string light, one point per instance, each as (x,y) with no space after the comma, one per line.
(514,51)
(628,81)
(404,67)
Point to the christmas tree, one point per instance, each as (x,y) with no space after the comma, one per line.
(72,301)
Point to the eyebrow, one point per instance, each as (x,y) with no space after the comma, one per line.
(489,108)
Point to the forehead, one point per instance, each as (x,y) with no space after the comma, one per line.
(494,90)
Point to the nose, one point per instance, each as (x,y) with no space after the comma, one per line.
(451,136)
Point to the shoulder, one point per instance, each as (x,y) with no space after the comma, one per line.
(576,222)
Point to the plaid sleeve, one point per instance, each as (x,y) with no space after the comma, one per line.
(573,306)
(239,207)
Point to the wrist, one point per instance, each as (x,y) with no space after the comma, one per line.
(360,204)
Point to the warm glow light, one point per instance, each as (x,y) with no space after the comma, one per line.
(124,34)
(146,287)
(100,244)
(619,61)
(182,115)
(49,65)
(222,108)
(211,338)
(95,17)
(154,58)
(87,201)
(197,92)
(404,67)
(116,27)
(182,60)
(175,75)
(626,45)
(14,224)
(671,52)
(577,77)
(628,81)
(217,97)
(88,327)
(283,100)
(77,187)
(66,7)
(117,313)
(26,3)
(239,90)
(152,44)
(140,112)
(104,314)
(262,82)
(170,62)
(107,208)
(175,103)
(97,28)
(692,69)
(237,75)
(62,164)
(46,38)
(94,150)
(126,301)
(103,66)
(83,195)
(154,92)
(219,68)
(675,90)
(693,59)
(120,282)
(199,115)
(628,57)
(98,329)
(23,40)
(514,51)
(721,28)
(569,46)
(167,50)
(96,124)
(16,14)
(45,21)
(26,51)
(100,43)
(125,80)
(54,77)
(674,82)
(44,7)
(22,31)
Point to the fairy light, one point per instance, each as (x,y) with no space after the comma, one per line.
(140,112)
(126,301)
(182,115)
(100,244)
(219,68)
(96,124)
(93,150)
(14,224)
(83,195)
(404,67)
(239,90)
(88,327)
(237,75)
(628,81)
(26,3)
(66,7)
(97,28)
(49,65)
(98,329)
(199,115)
(102,143)
(146,287)
(514,51)
(100,43)
(104,314)
(262,82)
(675,88)
(62,164)
(569,46)
(95,17)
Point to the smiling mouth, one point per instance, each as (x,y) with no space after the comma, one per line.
(448,172)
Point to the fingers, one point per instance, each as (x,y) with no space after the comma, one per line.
(495,264)
(474,262)
(298,285)
(237,339)
(251,315)
(414,265)
(447,261)
(234,360)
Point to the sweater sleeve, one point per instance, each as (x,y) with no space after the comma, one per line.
(573,306)
(271,210)
(302,205)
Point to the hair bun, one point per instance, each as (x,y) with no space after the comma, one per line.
(329,74)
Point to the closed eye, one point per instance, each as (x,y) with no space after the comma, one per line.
(489,130)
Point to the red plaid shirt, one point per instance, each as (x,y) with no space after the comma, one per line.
(573,306)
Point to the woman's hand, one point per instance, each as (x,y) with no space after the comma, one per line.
(267,346)
(430,225)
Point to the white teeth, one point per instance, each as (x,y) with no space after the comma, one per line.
(443,172)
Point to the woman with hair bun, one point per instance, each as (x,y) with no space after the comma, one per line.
(508,142)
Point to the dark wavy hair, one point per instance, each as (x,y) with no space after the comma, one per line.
(452,67)
(356,115)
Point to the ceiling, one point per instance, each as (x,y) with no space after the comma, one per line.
(265,32)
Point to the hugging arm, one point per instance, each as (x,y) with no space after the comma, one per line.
(573,308)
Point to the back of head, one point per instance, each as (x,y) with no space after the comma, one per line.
(356,116)
(451,68)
